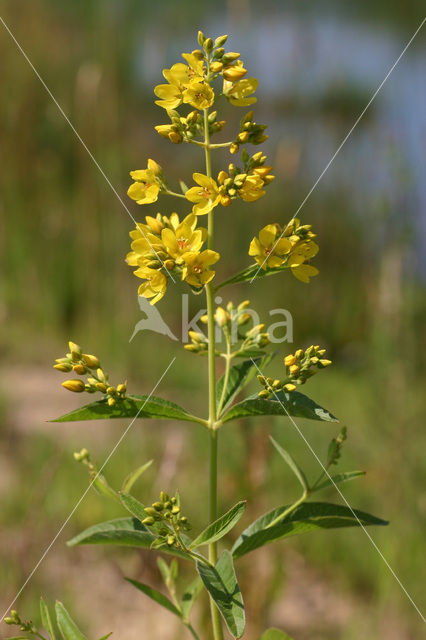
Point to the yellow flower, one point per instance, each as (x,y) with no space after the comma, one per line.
(199,95)
(252,189)
(183,239)
(206,198)
(238,92)
(303,251)
(196,66)
(236,72)
(167,131)
(196,271)
(155,285)
(170,96)
(146,187)
(268,250)
(304,272)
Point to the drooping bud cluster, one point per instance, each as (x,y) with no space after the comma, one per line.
(247,183)
(84,364)
(199,343)
(250,133)
(299,367)
(292,246)
(24,625)
(166,520)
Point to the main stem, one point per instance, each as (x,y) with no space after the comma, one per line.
(215,614)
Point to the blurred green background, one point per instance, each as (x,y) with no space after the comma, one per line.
(63,238)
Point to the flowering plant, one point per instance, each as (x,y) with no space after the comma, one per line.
(164,249)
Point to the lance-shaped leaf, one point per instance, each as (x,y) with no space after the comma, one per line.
(275,634)
(130,480)
(221,582)
(123,532)
(107,636)
(254,271)
(307,517)
(346,476)
(67,626)
(132,505)
(155,595)
(282,404)
(239,375)
(220,527)
(292,464)
(130,407)
(190,595)
(46,619)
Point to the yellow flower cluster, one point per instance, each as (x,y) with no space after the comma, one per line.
(166,247)
(290,247)
(299,367)
(84,364)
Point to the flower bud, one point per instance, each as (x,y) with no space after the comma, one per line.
(294,369)
(289,360)
(277,384)
(63,367)
(169,264)
(220,41)
(216,66)
(122,388)
(171,539)
(325,363)
(243,137)
(197,337)
(101,387)
(234,73)
(111,402)
(175,137)
(289,387)
(74,385)
(150,511)
(158,506)
(233,149)
(204,319)
(75,350)
(148,521)
(222,317)
(175,510)
(198,54)
(208,45)
(80,369)
(163,496)
(222,176)
(263,394)
(201,38)
(91,361)
(101,375)
(231,56)
(299,354)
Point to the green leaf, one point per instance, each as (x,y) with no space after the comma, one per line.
(239,375)
(130,407)
(306,517)
(46,619)
(100,484)
(132,505)
(284,404)
(250,273)
(17,638)
(67,626)
(337,478)
(190,595)
(155,595)
(123,532)
(130,480)
(220,527)
(292,464)
(221,583)
(275,634)
(107,636)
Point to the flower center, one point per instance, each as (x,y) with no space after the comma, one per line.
(182,242)
(197,268)
(205,193)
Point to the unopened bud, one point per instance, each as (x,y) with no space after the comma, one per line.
(325,363)
(155,225)
(289,360)
(163,496)
(216,66)
(74,385)
(289,387)
(169,264)
(263,394)
(111,391)
(222,176)
(201,38)
(204,319)
(63,367)
(175,137)
(294,369)
(170,540)
(231,56)
(277,384)
(91,361)
(75,350)
(222,317)
(299,354)
(198,54)
(122,388)
(111,402)
(234,148)
(148,521)
(101,387)
(158,506)
(208,45)
(150,511)
(175,510)
(80,369)
(220,41)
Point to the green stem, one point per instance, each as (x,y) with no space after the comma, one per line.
(192,630)
(228,358)
(285,513)
(215,614)
(173,193)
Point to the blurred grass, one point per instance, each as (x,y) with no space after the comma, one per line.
(63,238)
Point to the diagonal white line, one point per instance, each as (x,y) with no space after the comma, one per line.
(46,551)
(345,139)
(80,139)
(346,502)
